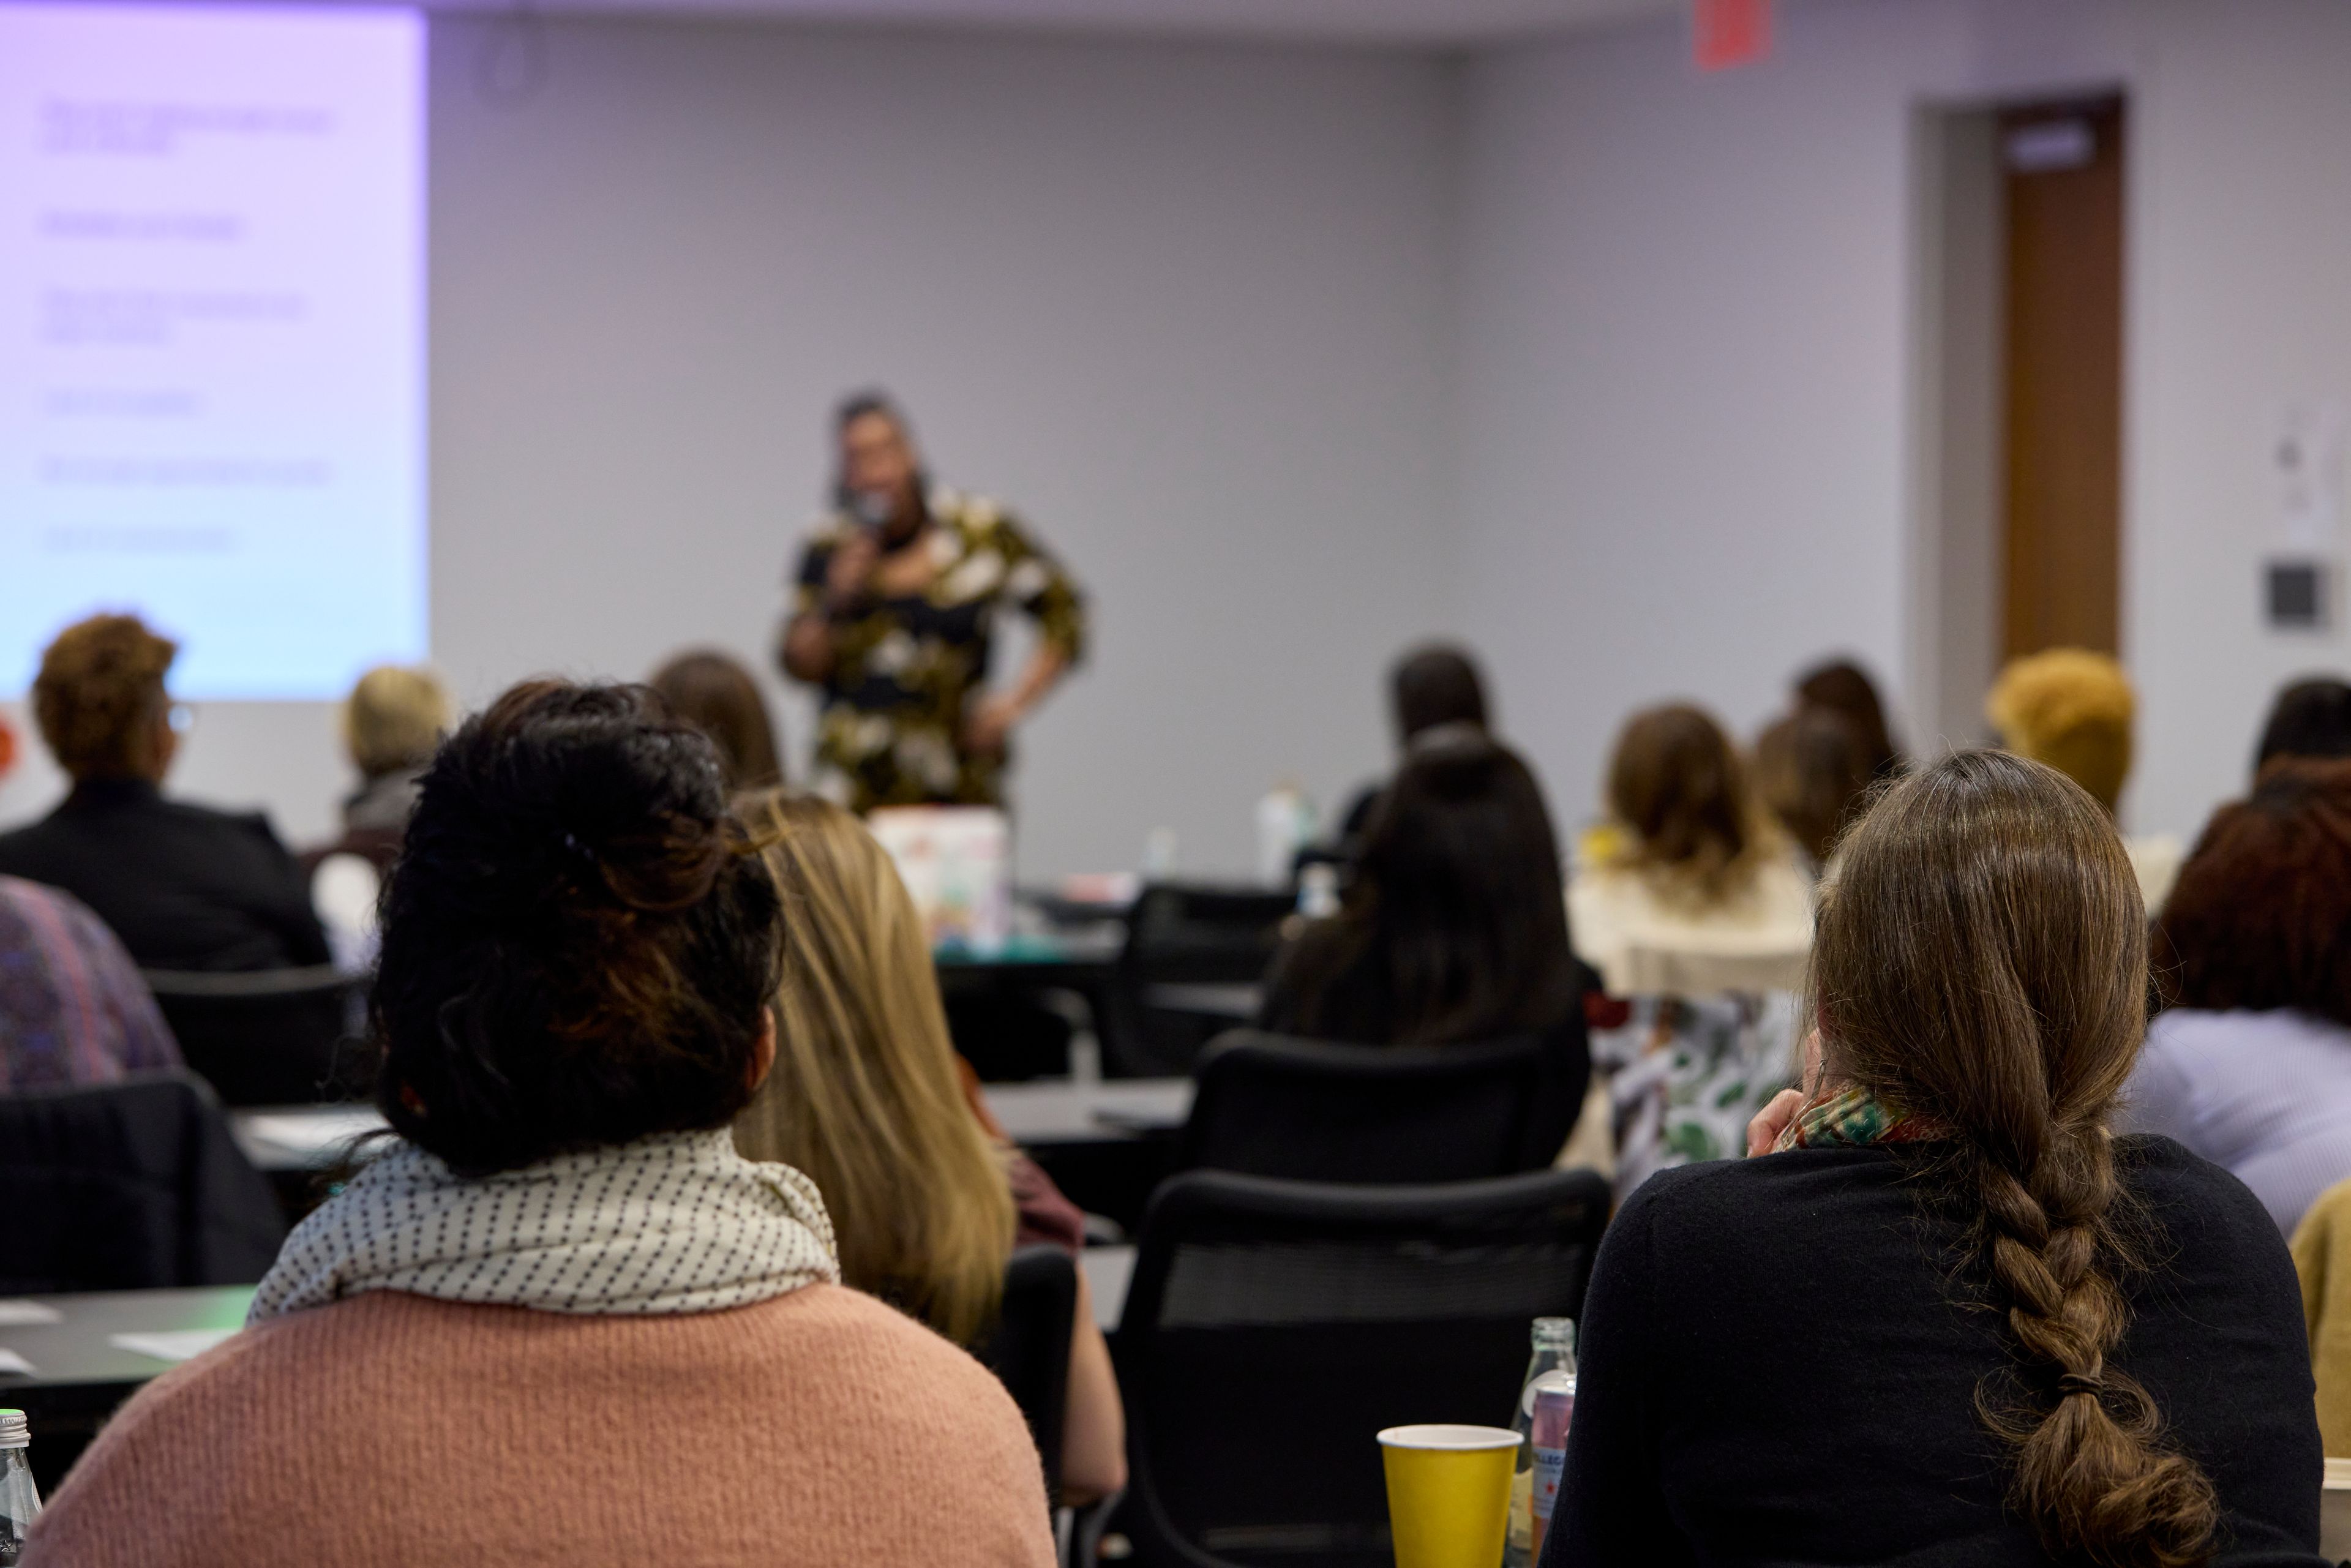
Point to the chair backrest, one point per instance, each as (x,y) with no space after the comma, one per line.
(1184,935)
(1314,1111)
(267,1037)
(1030,1350)
(1272,1328)
(126,1186)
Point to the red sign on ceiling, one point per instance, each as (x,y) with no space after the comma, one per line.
(1726,33)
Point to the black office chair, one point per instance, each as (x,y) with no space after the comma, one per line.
(267,1037)
(1313,1111)
(1030,1350)
(1181,938)
(125,1186)
(1273,1328)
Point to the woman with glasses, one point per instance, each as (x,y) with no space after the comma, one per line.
(186,887)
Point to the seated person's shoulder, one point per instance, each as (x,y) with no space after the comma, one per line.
(2196,1205)
(871,1337)
(1738,1202)
(244,827)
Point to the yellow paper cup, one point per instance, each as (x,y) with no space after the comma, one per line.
(1448,1493)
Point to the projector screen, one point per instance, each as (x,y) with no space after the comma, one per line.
(212,336)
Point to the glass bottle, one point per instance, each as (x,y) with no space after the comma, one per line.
(1546,1403)
(20,1499)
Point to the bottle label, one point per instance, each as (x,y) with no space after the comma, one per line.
(1549,1464)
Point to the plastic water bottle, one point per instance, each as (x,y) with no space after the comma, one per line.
(1546,1404)
(20,1499)
(1285,824)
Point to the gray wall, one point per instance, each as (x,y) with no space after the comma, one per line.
(1183,307)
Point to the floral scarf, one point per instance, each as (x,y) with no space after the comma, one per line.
(1854,1118)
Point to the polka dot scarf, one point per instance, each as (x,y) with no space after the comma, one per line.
(675,1223)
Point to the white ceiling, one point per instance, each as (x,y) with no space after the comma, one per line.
(1416,22)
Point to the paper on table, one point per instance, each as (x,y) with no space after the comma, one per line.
(13,1365)
(179,1345)
(17,1314)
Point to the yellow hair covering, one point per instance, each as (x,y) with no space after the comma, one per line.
(2072,709)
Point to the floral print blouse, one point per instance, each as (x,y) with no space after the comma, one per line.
(906,669)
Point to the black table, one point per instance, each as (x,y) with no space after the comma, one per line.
(79,1376)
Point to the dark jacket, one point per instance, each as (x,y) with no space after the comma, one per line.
(126,1186)
(1777,1367)
(184,886)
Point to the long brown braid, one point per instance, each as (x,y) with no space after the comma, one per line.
(1981,959)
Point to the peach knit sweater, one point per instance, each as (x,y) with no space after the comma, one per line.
(390,1431)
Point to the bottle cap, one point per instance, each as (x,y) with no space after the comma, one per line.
(1559,1332)
(14,1431)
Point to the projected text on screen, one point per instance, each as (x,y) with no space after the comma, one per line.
(212,336)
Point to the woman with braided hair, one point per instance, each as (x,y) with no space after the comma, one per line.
(1947,1316)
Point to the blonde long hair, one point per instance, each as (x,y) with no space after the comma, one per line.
(865,1097)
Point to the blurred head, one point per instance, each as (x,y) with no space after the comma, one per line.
(100,703)
(718,696)
(880,477)
(577,948)
(1981,960)
(2072,709)
(2260,916)
(1677,785)
(1432,686)
(1457,897)
(2310,718)
(1845,687)
(866,1097)
(394,718)
(1813,771)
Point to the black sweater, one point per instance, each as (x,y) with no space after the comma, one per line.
(1776,1369)
(184,886)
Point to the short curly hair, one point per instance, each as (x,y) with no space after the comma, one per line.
(2072,709)
(101,684)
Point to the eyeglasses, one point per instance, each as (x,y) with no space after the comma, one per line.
(180,716)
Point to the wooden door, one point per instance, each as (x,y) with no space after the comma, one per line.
(2062,173)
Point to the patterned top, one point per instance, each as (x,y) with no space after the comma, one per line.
(1687,1072)
(906,669)
(72,1007)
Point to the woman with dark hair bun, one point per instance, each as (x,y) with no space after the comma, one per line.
(1945,1316)
(555,1317)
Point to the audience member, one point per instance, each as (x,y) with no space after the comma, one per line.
(392,720)
(1691,903)
(2072,709)
(2310,718)
(1813,769)
(1902,1339)
(72,1007)
(2249,1064)
(2322,1259)
(1844,686)
(558,1317)
(717,695)
(184,886)
(1435,693)
(1454,928)
(866,1099)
